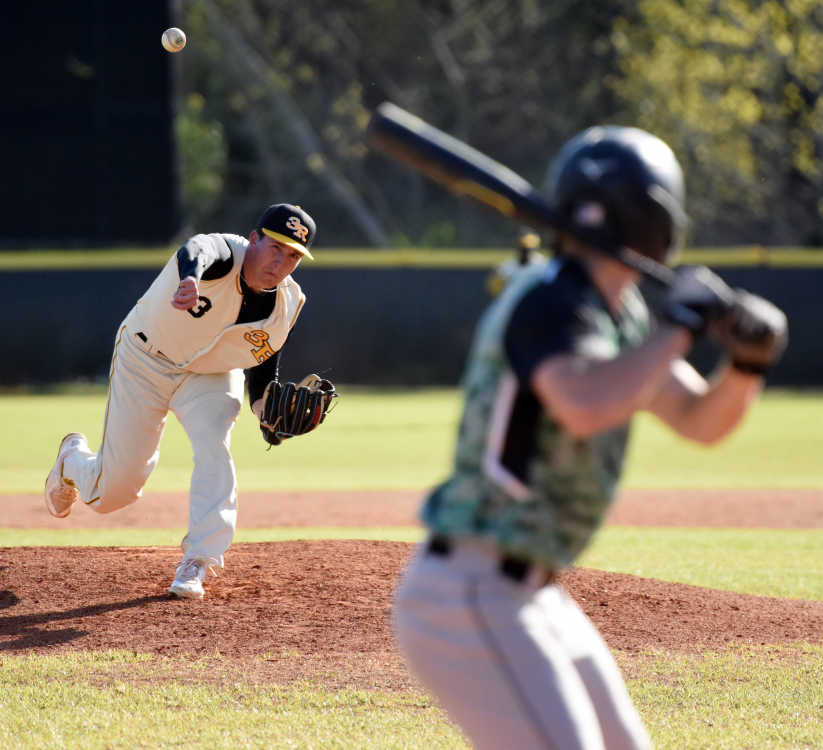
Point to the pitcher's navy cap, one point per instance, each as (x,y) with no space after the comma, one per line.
(290,225)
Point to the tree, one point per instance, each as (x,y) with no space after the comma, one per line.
(202,160)
(293,84)
(733,86)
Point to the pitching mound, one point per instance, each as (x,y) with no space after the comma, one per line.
(321,610)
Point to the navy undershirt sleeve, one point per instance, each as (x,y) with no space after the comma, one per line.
(204,262)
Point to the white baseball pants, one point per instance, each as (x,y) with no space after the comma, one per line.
(143,387)
(514,665)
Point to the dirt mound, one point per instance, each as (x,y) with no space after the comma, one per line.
(303,609)
(322,610)
(636,613)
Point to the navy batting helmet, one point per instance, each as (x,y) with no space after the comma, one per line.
(623,187)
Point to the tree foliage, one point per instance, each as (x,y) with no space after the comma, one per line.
(731,85)
(734,86)
(202,156)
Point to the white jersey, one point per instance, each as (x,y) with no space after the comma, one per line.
(206,339)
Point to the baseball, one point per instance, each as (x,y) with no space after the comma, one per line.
(173,39)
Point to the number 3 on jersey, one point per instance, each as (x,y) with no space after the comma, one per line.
(201,308)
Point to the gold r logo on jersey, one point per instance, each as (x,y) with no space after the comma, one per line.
(260,341)
(300,230)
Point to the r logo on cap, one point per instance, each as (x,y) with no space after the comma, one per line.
(301,231)
(290,225)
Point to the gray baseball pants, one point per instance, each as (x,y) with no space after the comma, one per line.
(514,664)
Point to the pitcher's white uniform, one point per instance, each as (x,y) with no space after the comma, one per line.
(189,362)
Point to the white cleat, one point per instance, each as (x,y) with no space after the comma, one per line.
(61,493)
(188,581)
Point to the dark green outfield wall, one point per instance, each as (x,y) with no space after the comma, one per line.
(395,326)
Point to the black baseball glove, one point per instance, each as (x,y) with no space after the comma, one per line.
(291,409)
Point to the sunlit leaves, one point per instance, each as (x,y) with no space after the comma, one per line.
(733,86)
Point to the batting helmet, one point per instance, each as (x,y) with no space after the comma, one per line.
(623,187)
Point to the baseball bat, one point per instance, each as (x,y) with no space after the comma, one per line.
(465,171)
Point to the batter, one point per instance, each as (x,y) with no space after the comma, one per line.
(222,305)
(561,360)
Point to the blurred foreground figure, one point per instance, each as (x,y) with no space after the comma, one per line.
(562,359)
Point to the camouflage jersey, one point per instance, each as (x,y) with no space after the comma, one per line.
(519,478)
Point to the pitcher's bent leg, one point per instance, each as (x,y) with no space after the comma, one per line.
(207,407)
(136,408)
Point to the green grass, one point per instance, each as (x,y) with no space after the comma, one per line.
(768,698)
(776,446)
(377,439)
(121,700)
(372,440)
(782,563)
(763,698)
(759,698)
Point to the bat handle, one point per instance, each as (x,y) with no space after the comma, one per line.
(650,268)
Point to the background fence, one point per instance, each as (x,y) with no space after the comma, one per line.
(397,326)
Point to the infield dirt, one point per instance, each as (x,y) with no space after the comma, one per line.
(322,610)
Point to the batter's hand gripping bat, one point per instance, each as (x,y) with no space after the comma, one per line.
(465,171)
